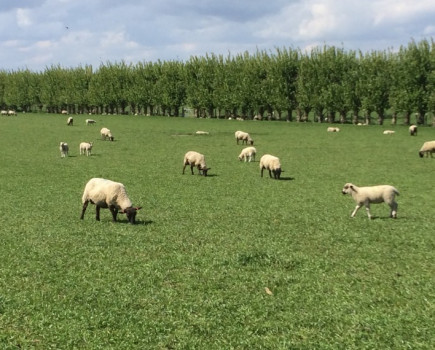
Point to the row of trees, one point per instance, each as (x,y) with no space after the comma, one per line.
(327,83)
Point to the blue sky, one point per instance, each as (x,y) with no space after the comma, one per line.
(35,34)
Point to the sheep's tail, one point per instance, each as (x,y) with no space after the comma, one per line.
(396,191)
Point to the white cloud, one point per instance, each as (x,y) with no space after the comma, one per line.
(23,17)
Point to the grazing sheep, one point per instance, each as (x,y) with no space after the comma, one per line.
(64,111)
(332,129)
(272,164)
(244,137)
(12,112)
(106,134)
(200,132)
(70,121)
(63,149)
(373,194)
(389,132)
(86,148)
(413,130)
(3,112)
(193,159)
(108,194)
(248,154)
(427,148)
(90,121)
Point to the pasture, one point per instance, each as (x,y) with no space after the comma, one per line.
(193,273)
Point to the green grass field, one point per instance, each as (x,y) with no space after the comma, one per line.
(192,273)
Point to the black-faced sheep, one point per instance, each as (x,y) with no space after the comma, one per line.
(413,130)
(248,154)
(106,134)
(108,194)
(389,132)
(372,194)
(86,148)
(427,148)
(244,137)
(90,121)
(195,159)
(272,164)
(64,111)
(70,121)
(332,129)
(63,149)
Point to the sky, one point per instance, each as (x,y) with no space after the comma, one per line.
(36,34)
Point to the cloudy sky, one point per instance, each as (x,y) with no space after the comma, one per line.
(35,34)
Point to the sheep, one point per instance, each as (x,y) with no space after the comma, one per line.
(70,121)
(244,136)
(12,112)
(86,148)
(108,194)
(248,154)
(90,121)
(272,164)
(389,132)
(332,129)
(372,194)
(413,130)
(200,132)
(193,159)
(427,148)
(63,149)
(106,134)
(3,112)
(64,111)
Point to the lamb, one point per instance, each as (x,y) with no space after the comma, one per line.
(332,129)
(372,194)
(106,134)
(63,149)
(193,159)
(244,137)
(427,148)
(70,121)
(86,148)
(90,121)
(389,132)
(248,154)
(413,130)
(272,164)
(108,194)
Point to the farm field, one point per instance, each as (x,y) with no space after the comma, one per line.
(193,273)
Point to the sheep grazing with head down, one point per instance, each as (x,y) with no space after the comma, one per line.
(90,121)
(248,154)
(413,130)
(427,148)
(332,129)
(70,121)
(195,159)
(388,132)
(106,134)
(63,149)
(372,194)
(244,137)
(108,194)
(86,148)
(272,164)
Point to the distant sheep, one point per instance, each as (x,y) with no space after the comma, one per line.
(248,154)
(373,194)
(332,129)
(64,111)
(90,121)
(427,148)
(108,194)
(388,132)
(63,149)
(70,121)
(272,164)
(86,148)
(200,132)
(12,112)
(3,112)
(195,159)
(244,137)
(413,130)
(106,134)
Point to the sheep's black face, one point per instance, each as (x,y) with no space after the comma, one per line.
(277,174)
(421,154)
(131,214)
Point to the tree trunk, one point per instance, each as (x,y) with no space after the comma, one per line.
(406,118)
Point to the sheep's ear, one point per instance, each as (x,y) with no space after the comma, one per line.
(137,208)
(352,188)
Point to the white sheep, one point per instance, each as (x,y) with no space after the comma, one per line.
(248,154)
(332,129)
(90,121)
(108,194)
(413,130)
(3,112)
(372,194)
(106,134)
(63,149)
(200,132)
(64,111)
(244,137)
(272,164)
(86,148)
(193,159)
(12,112)
(388,132)
(427,148)
(70,121)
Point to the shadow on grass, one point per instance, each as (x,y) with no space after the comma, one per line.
(286,178)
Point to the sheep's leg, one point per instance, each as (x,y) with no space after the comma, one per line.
(262,172)
(97,213)
(191,168)
(356,209)
(184,168)
(367,205)
(393,213)
(114,212)
(85,205)
(270,173)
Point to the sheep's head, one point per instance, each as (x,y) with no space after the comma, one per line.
(204,170)
(251,141)
(277,173)
(131,213)
(421,154)
(348,188)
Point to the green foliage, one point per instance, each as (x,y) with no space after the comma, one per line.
(192,274)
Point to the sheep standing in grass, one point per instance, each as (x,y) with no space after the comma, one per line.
(244,137)
(389,132)
(90,121)
(373,194)
(272,164)
(64,111)
(108,194)
(86,148)
(427,148)
(413,130)
(63,149)
(248,154)
(70,121)
(106,134)
(193,159)
(332,129)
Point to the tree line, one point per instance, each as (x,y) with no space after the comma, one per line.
(325,84)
